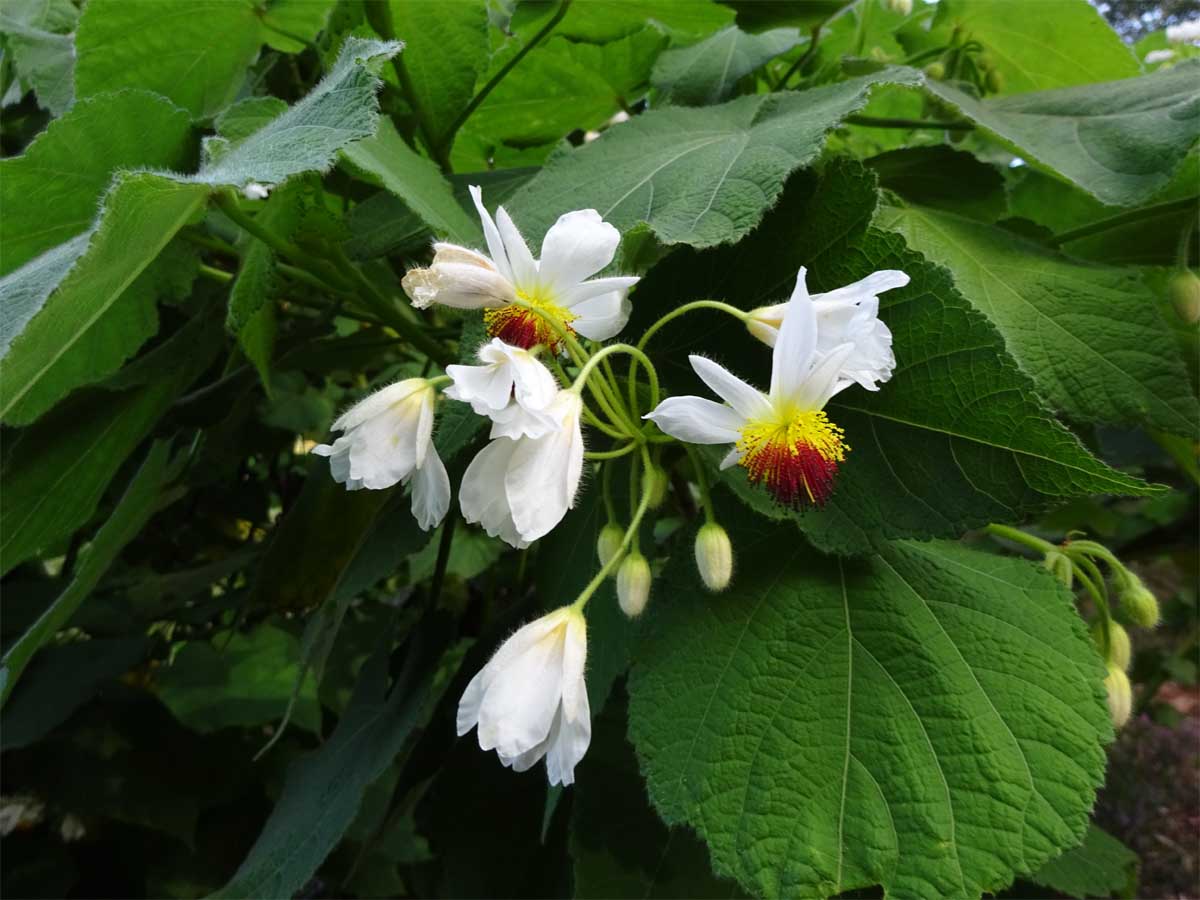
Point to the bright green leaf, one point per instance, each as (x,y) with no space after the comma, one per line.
(37,35)
(1099,867)
(708,72)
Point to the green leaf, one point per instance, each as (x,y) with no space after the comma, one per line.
(958,438)
(1089,335)
(930,719)
(324,789)
(390,163)
(445,49)
(51,191)
(697,176)
(37,35)
(1099,867)
(51,488)
(245,117)
(944,178)
(601,21)
(1120,141)
(242,680)
(139,502)
(1036,45)
(708,72)
(101,312)
(290,25)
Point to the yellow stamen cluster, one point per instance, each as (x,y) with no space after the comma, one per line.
(796,457)
(525,328)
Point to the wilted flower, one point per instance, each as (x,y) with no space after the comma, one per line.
(531,701)
(847,315)
(576,247)
(388,438)
(782,438)
(519,489)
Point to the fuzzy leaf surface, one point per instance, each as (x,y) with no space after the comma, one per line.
(707,72)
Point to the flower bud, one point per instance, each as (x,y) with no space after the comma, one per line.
(633,584)
(1059,565)
(714,556)
(608,544)
(879,55)
(1139,604)
(1120,649)
(994,81)
(654,481)
(900,7)
(936,71)
(1184,291)
(1120,695)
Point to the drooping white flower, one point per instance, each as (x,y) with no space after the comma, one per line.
(1184,33)
(519,489)
(388,438)
(530,701)
(511,387)
(576,247)
(847,315)
(782,438)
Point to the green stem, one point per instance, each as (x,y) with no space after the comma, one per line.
(303,275)
(710,514)
(630,532)
(606,492)
(803,59)
(1020,537)
(443,557)
(209,242)
(1125,218)
(611,454)
(890,122)
(447,139)
(214,274)
(651,372)
(1184,247)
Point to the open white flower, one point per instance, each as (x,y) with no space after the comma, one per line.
(511,387)
(388,438)
(576,247)
(530,701)
(782,438)
(847,315)
(519,489)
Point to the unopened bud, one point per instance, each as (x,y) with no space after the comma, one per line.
(1120,695)
(1120,649)
(714,556)
(1139,604)
(1059,565)
(654,482)
(633,585)
(1184,291)
(880,55)
(994,81)
(608,544)
(936,71)
(900,7)
(764,323)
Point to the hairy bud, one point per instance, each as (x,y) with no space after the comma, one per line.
(936,71)
(655,482)
(1184,291)
(1139,604)
(1059,565)
(1120,648)
(608,544)
(994,81)
(714,556)
(633,585)
(1120,695)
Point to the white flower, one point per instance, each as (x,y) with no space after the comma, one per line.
(519,489)
(848,315)
(255,191)
(782,438)
(1154,57)
(576,247)
(531,701)
(388,439)
(511,387)
(1184,33)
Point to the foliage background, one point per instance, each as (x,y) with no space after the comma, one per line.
(180,577)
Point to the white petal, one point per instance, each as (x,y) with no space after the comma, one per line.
(524,269)
(452,253)
(568,747)
(527,760)
(574,688)
(482,497)
(747,400)
(519,705)
(424,434)
(873,285)
(491,234)
(515,421)
(602,317)
(533,385)
(377,402)
(458,285)
(697,421)
(430,491)
(544,472)
(793,353)
(824,380)
(596,287)
(576,247)
(486,388)
(730,458)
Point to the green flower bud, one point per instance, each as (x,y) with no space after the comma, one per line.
(608,544)
(936,70)
(654,480)
(879,55)
(1120,649)
(1139,604)
(1120,695)
(1059,565)
(633,584)
(714,556)
(900,7)
(994,81)
(1184,291)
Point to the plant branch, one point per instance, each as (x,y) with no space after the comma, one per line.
(1125,218)
(888,122)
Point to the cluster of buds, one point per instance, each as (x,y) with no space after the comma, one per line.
(964,59)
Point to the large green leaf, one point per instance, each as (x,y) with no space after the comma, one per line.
(1120,141)
(697,176)
(1099,867)
(1088,334)
(956,439)
(1037,45)
(707,72)
(51,191)
(132,512)
(37,35)
(930,719)
(601,21)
